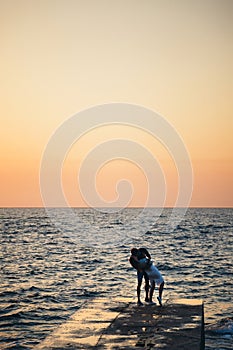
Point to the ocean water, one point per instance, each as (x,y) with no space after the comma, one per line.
(48,271)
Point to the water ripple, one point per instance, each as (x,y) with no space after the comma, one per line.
(47,274)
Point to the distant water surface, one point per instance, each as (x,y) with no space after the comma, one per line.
(48,271)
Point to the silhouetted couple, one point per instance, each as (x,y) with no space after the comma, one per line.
(140,259)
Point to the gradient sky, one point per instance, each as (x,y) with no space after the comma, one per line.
(60,57)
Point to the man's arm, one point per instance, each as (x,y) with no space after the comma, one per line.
(134,262)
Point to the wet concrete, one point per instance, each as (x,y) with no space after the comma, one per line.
(120,324)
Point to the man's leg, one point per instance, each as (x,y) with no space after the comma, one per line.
(140,276)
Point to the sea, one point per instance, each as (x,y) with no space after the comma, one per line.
(49,269)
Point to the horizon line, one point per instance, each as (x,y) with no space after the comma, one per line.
(132,207)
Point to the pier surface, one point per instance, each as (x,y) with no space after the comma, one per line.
(120,324)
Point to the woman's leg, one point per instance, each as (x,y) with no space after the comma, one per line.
(161,289)
(152,288)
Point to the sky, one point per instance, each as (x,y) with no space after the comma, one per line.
(62,57)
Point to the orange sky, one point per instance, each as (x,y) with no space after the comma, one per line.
(173,57)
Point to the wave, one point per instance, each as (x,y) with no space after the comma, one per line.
(224,326)
(49,273)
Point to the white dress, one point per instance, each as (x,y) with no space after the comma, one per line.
(152,271)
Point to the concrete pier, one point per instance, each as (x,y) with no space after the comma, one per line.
(120,324)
